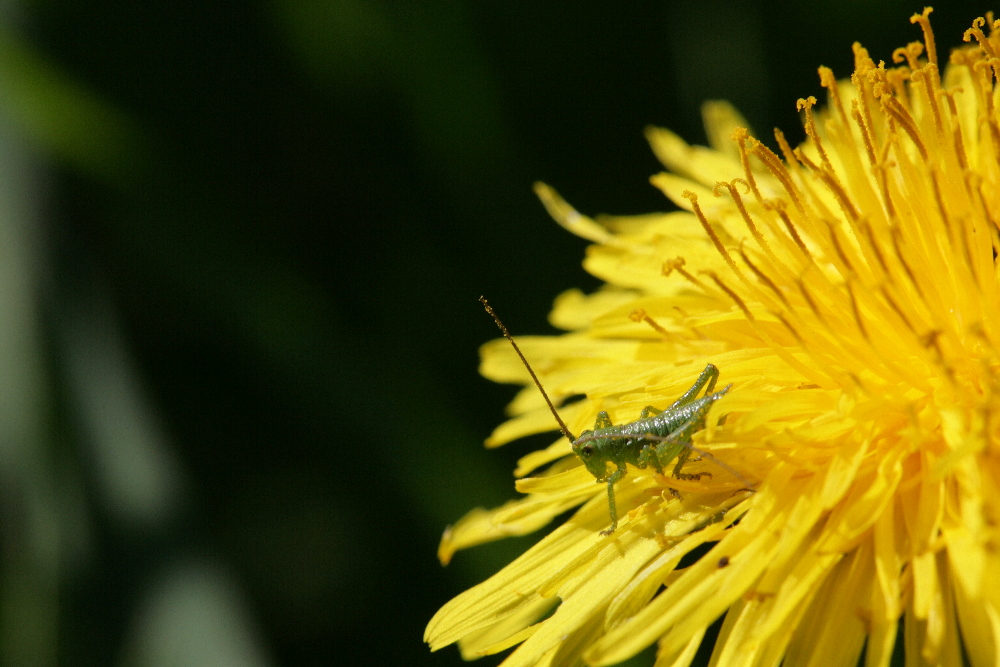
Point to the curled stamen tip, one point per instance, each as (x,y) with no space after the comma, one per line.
(805,103)
(975,31)
(730,186)
(687,194)
(671,264)
(637,315)
(983,65)
(739,134)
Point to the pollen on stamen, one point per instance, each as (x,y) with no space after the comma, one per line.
(640,315)
(902,116)
(707,226)
(805,105)
(923,20)
(778,205)
(780,172)
(677,264)
(829,81)
(786,148)
(738,200)
(910,54)
(865,134)
(741,136)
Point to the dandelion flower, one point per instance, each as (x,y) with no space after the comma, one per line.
(850,292)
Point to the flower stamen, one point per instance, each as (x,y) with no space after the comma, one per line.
(846,205)
(829,81)
(865,134)
(848,268)
(857,313)
(778,205)
(928,78)
(960,155)
(707,226)
(786,148)
(809,301)
(896,239)
(777,168)
(763,278)
(976,31)
(677,264)
(895,108)
(805,105)
(738,200)
(899,311)
(740,136)
(910,53)
(764,336)
(882,167)
(640,315)
(874,248)
(925,26)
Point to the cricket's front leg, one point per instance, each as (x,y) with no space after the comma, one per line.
(615,477)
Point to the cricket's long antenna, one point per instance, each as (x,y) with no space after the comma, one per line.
(506,334)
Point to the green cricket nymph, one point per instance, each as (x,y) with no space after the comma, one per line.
(657,438)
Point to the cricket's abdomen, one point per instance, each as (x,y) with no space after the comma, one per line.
(624,442)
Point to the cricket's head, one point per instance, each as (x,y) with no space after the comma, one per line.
(587,447)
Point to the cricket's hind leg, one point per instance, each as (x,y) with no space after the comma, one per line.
(679,443)
(706,379)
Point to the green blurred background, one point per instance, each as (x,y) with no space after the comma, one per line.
(241,245)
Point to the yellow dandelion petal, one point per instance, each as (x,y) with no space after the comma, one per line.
(832,475)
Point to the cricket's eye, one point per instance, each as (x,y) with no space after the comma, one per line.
(587,450)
